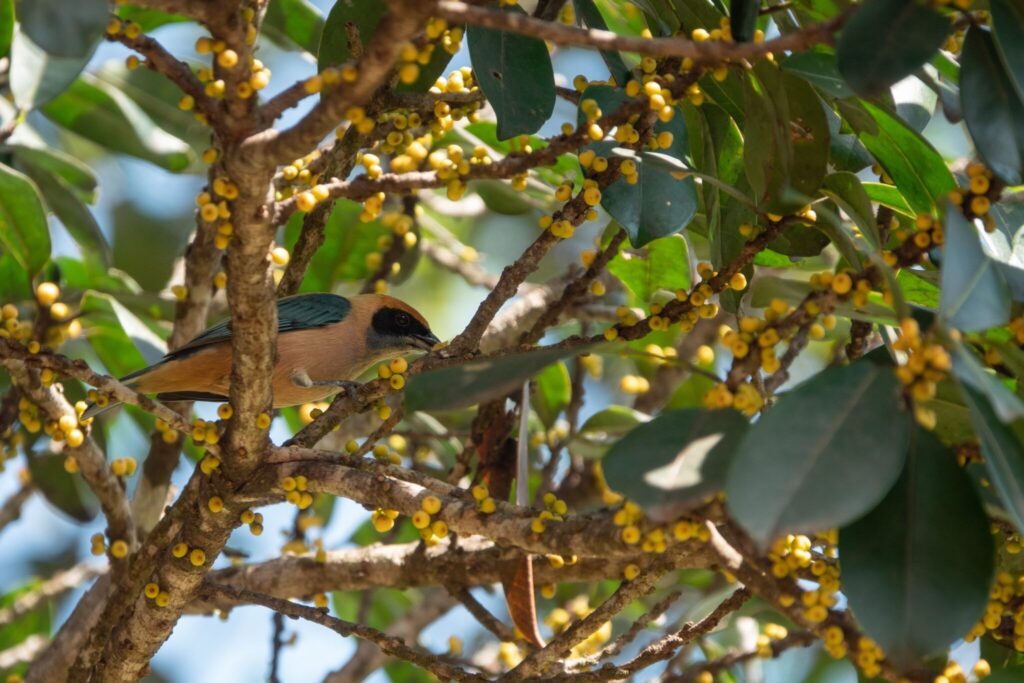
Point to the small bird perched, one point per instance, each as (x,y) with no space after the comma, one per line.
(324,342)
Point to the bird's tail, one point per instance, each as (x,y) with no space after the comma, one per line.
(104,404)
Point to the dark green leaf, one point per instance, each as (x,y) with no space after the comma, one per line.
(917,568)
(24,233)
(918,290)
(664,266)
(820,69)
(71,211)
(970,371)
(991,105)
(591,15)
(823,456)
(29,147)
(36,77)
(466,384)
(917,169)
(800,241)
(103,114)
(886,40)
(554,390)
(119,337)
(846,191)
(604,428)
(766,149)
(809,136)
(148,19)
(514,71)
(14,281)
(676,460)
(952,417)
(298,22)
(66,492)
(743,19)
(974,293)
(1013,674)
(1008,26)
(64,29)
(363,14)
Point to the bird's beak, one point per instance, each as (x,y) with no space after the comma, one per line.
(424,341)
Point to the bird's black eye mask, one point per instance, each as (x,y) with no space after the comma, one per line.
(395,322)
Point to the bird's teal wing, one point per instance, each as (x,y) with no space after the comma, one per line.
(299,312)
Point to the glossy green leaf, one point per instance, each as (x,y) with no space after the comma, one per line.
(992,106)
(36,77)
(663,264)
(119,337)
(67,492)
(917,290)
(917,568)
(800,241)
(846,152)
(514,71)
(743,19)
(363,14)
(14,281)
(1003,448)
(553,393)
(295,22)
(974,294)
(103,114)
(886,40)
(1008,27)
(970,371)
(766,149)
(466,384)
(676,460)
(24,232)
(846,191)
(591,15)
(72,212)
(64,29)
(604,428)
(819,68)
(30,148)
(917,169)
(825,454)
(888,195)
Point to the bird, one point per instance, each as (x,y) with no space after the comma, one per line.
(324,342)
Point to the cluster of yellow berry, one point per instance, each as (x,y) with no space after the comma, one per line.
(746,398)
(800,557)
(254,520)
(484,503)
(431,530)
(296,493)
(560,618)
(976,199)
(59,328)
(868,656)
(1004,615)
(196,556)
(212,210)
(225,60)
(383,520)
(926,365)
(67,429)
(552,437)
(555,511)
(123,467)
(153,592)
(927,233)
(393,372)
(206,432)
(209,464)
(769,633)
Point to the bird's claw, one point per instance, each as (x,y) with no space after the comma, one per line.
(303,380)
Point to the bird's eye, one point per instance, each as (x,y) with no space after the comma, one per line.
(402,319)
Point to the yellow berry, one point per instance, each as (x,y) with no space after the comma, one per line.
(151,590)
(216,504)
(197,557)
(420,519)
(431,505)
(630,572)
(47,293)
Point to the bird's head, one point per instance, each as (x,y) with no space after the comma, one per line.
(395,326)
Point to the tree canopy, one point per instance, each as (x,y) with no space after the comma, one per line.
(732,301)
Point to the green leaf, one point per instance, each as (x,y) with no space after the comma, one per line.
(1013,674)
(64,29)
(888,195)
(24,233)
(974,294)
(466,384)
(970,371)
(554,391)
(364,14)
(67,492)
(766,148)
(823,456)
(820,69)
(917,568)
(918,290)
(297,22)
(992,106)
(809,136)
(846,191)
(1008,26)
(917,169)
(71,211)
(676,460)
(35,621)
(28,147)
(36,77)
(14,281)
(743,19)
(800,241)
(122,341)
(591,15)
(105,115)
(664,265)
(514,71)
(604,428)
(6,26)
(148,19)
(887,40)
(1003,450)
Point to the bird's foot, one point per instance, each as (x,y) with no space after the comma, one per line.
(302,379)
